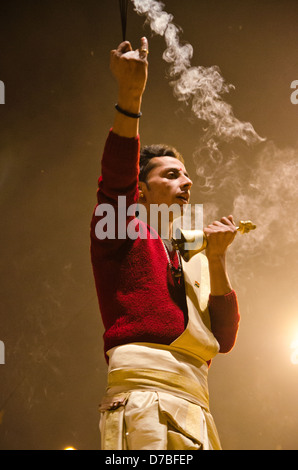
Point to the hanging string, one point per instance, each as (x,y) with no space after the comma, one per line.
(123,11)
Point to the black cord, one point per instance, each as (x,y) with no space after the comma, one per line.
(123,4)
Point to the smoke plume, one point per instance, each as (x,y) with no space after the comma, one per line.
(200,87)
(261,184)
(270,197)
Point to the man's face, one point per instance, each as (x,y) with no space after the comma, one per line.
(167,183)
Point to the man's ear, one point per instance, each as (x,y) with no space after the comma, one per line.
(142,186)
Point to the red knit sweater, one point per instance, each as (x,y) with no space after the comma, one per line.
(137,296)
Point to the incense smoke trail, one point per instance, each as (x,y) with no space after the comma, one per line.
(202,87)
(261,186)
(270,197)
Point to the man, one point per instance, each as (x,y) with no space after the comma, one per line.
(162,328)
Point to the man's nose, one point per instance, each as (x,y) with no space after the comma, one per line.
(186,183)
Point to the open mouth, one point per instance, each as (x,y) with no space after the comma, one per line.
(183,198)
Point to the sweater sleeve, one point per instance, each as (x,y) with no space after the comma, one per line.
(120,169)
(225,318)
(119,178)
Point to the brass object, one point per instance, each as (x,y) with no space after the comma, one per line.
(246,226)
(192,242)
(189,242)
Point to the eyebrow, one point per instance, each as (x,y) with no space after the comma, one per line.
(176,170)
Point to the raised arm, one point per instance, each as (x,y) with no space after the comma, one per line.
(130,68)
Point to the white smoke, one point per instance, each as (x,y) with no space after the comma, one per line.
(201,87)
(261,184)
(263,188)
(270,197)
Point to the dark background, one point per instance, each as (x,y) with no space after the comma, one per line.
(54,61)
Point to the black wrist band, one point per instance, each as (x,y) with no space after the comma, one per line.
(127,113)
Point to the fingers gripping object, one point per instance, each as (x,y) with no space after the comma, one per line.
(123,5)
(191,242)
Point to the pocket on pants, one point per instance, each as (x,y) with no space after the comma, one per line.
(187,428)
(161,421)
(145,426)
(111,423)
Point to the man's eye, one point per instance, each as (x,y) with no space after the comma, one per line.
(171,174)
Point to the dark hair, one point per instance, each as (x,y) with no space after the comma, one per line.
(158,150)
